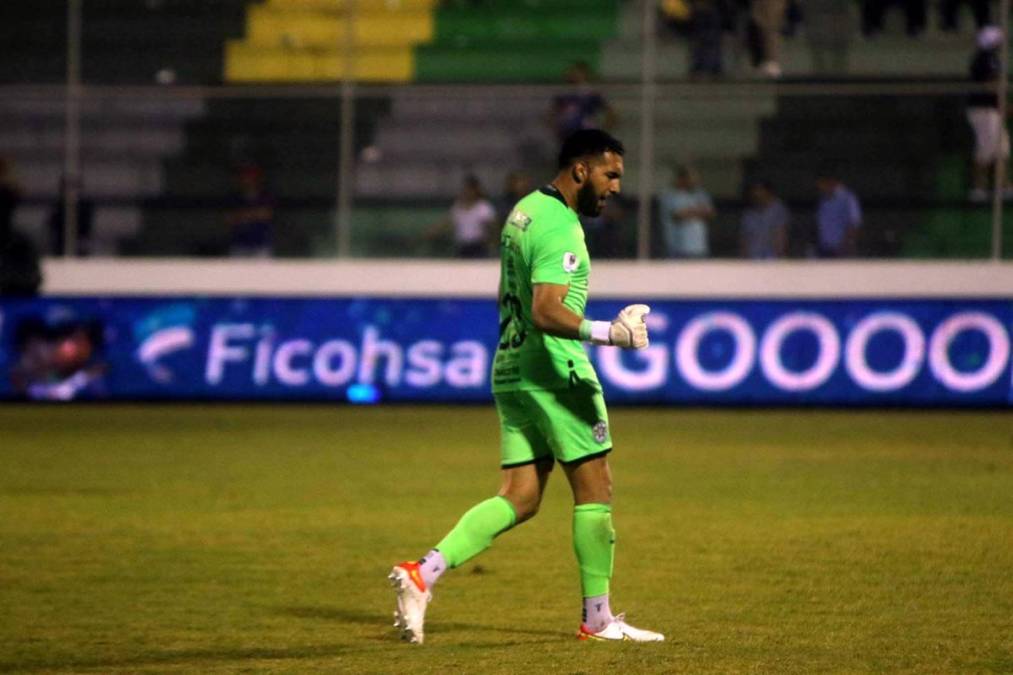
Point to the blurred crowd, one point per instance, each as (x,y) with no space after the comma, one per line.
(827,226)
(758,27)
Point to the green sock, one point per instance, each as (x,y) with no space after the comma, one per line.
(594,542)
(476,529)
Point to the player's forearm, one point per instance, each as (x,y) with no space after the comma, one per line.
(558,321)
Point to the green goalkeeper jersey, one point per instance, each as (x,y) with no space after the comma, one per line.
(542,242)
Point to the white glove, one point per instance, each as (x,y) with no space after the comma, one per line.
(627,330)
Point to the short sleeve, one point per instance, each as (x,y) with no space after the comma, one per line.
(556,255)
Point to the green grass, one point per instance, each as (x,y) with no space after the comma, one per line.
(229,538)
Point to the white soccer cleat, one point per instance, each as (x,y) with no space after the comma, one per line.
(412,599)
(619,630)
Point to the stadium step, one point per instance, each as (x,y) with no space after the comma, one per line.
(295,141)
(122,43)
(303,41)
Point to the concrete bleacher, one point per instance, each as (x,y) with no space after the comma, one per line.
(306,41)
(123,145)
(427,143)
(714,131)
(122,42)
(504,41)
(124,139)
(296,143)
(889,149)
(418,40)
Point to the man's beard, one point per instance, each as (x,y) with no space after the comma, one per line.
(587,201)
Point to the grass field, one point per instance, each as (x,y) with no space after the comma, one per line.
(231,538)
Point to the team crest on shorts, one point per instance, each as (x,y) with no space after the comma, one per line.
(600,431)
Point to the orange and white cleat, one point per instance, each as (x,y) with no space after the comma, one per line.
(412,599)
(620,631)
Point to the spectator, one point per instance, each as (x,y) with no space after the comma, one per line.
(991,140)
(767,19)
(19,259)
(949,11)
(518,186)
(10,196)
(764,224)
(251,218)
(582,107)
(873,12)
(85,221)
(471,218)
(676,15)
(707,21)
(685,211)
(838,217)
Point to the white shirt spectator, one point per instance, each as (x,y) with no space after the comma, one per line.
(471,221)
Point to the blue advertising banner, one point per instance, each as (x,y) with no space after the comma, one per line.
(849,352)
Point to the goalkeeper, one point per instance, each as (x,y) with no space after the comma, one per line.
(548,397)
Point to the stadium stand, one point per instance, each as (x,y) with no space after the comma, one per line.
(304,40)
(890,54)
(888,149)
(955,229)
(419,40)
(428,142)
(504,41)
(160,169)
(123,143)
(295,141)
(122,42)
(905,155)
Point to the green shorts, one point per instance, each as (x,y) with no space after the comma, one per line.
(570,425)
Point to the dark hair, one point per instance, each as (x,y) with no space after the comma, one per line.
(761,183)
(584,142)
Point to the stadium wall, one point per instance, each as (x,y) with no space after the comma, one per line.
(399,278)
(924,334)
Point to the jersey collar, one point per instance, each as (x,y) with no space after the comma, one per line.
(551,191)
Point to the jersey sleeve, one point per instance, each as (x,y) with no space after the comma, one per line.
(555,254)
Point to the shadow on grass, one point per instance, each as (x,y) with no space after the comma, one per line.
(196,657)
(381,620)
